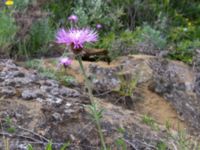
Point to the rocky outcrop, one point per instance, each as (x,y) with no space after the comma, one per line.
(40,109)
(175,81)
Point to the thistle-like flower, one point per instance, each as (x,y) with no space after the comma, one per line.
(98,26)
(73,18)
(76,38)
(65,62)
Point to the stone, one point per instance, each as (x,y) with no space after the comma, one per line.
(55,91)
(29,94)
(17,82)
(68,92)
(18,74)
(175,82)
(8,91)
(54,100)
(57,117)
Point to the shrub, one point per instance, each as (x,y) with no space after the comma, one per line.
(99,11)
(8,30)
(184,50)
(59,10)
(41,33)
(122,45)
(147,34)
(144,40)
(20,5)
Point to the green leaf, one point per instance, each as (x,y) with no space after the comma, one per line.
(65,146)
(49,146)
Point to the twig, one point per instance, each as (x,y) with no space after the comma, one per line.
(20,136)
(145,144)
(27,130)
(42,137)
(87,125)
(101,94)
(129,143)
(43,143)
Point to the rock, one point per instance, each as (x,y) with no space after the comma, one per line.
(175,82)
(17,82)
(50,83)
(59,112)
(7,91)
(178,83)
(67,92)
(55,91)
(197,85)
(54,100)
(18,74)
(57,116)
(29,94)
(196,61)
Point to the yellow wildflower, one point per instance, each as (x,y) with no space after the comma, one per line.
(9,2)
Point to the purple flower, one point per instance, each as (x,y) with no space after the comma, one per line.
(61,36)
(76,38)
(98,26)
(66,62)
(73,18)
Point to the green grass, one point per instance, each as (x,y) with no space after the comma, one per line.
(51,73)
(8,30)
(37,43)
(148,120)
(128,83)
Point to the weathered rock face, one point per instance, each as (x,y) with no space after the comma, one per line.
(196,66)
(106,78)
(174,81)
(57,112)
(42,109)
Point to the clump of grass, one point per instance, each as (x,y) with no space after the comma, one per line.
(21,5)
(49,146)
(50,73)
(8,30)
(41,34)
(10,128)
(128,83)
(148,120)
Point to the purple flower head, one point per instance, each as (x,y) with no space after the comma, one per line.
(98,26)
(66,62)
(73,18)
(61,36)
(76,38)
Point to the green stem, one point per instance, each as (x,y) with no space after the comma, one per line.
(87,82)
(88,85)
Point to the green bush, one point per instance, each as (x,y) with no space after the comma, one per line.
(41,33)
(184,50)
(89,13)
(8,31)
(20,5)
(147,34)
(99,11)
(122,45)
(59,10)
(145,39)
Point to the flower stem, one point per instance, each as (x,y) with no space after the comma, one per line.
(87,82)
(93,102)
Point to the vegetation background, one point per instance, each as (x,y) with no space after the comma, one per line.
(128,26)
